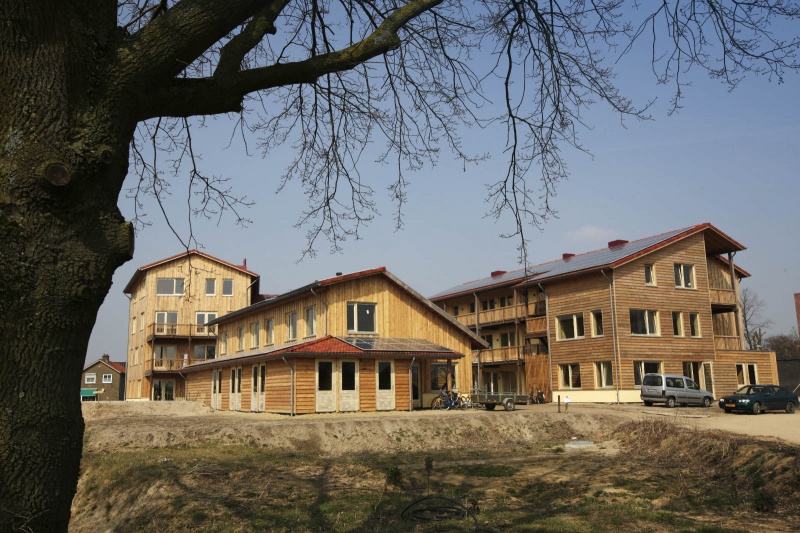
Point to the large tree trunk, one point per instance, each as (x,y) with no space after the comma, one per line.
(63,158)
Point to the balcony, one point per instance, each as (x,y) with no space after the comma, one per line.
(180,330)
(492,316)
(727,343)
(169,365)
(725,297)
(530,350)
(537,308)
(500,355)
(536,327)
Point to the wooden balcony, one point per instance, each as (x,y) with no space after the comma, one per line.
(500,355)
(169,365)
(727,343)
(534,349)
(536,327)
(722,296)
(537,308)
(180,330)
(492,316)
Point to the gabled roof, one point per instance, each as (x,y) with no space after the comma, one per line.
(612,257)
(380,271)
(117,367)
(330,345)
(139,271)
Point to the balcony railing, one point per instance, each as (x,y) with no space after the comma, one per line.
(536,327)
(534,349)
(181,330)
(727,343)
(498,355)
(171,365)
(722,296)
(537,308)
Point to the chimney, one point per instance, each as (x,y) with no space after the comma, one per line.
(338,273)
(244,263)
(105,357)
(797,309)
(567,256)
(618,242)
(498,273)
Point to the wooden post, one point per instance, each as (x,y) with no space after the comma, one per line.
(559,403)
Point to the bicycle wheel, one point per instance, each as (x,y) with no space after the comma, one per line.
(437,403)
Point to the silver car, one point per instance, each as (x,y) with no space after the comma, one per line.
(672,390)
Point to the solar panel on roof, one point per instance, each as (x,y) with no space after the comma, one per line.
(390,344)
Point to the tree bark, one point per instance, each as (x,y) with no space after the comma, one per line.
(63,159)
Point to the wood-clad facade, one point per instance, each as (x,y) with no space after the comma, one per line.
(360,342)
(170,303)
(667,303)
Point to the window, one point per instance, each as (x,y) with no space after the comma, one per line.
(489,340)
(644,322)
(269,326)
(255,334)
(508,339)
(506,301)
(384,375)
(223,343)
(348,375)
(325,375)
(91,379)
(684,276)
(107,378)
(205,351)
(141,322)
(166,352)
(472,307)
(640,368)
(597,323)
(166,322)
(204,318)
(169,286)
(570,376)
(211,286)
(240,339)
(133,325)
(487,304)
(227,287)
(745,374)
(361,318)
(570,327)
(310,322)
(677,323)
(291,326)
(603,378)
(439,376)
(694,324)
(455,310)
(650,275)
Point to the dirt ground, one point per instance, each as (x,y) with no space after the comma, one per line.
(120,425)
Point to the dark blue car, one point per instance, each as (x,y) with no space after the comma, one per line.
(759,398)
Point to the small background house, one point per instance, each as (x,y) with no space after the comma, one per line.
(103,380)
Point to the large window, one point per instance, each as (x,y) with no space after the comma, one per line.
(384,375)
(570,327)
(166,352)
(361,318)
(677,323)
(255,334)
(169,286)
(745,374)
(508,339)
(310,322)
(211,286)
(91,379)
(602,375)
(640,368)
(694,324)
(205,351)
(684,276)
(166,322)
(487,305)
(489,340)
(650,275)
(570,376)
(269,326)
(644,322)
(227,287)
(202,318)
(439,376)
(597,323)
(291,326)
(348,375)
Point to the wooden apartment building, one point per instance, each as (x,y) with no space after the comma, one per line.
(171,303)
(591,325)
(358,342)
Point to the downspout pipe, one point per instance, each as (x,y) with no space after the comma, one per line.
(411,385)
(549,344)
(325,304)
(291,386)
(478,333)
(613,329)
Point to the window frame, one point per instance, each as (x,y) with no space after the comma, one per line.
(93,380)
(677,325)
(566,376)
(225,291)
(694,325)
(269,327)
(240,338)
(311,321)
(650,270)
(576,324)
(255,334)
(597,332)
(354,314)
(174,287)
(655,323)
(213,286)
(223,343)
(438,369)
(641,366)
(291,326)
(109,380)
(603,369)
(680,276)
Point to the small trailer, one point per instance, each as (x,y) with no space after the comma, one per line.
(490,400)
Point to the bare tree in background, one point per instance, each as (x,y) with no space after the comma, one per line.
(95,89)
(754,322)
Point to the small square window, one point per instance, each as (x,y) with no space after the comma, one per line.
(644,322)
(107,378)
(684,276)
(361,318)
(570,327)
(570,376)
(227,287)
(211,286)
(91,379)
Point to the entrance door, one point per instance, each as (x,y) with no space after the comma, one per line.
(257,394)
(216,389)
(163,390)
(384,395)
(348,386)
(326,395)
(415,386)
(236,389)
(262,388)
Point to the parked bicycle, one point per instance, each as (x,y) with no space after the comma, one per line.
(448,400)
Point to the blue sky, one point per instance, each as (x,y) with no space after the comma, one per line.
(729,158)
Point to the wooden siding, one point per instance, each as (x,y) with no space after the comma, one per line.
(144,304)
(277,388)
(402,384)
(367,383)
(199,388)
(725,381)
(305,386)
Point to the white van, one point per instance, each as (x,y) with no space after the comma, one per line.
(672,390)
